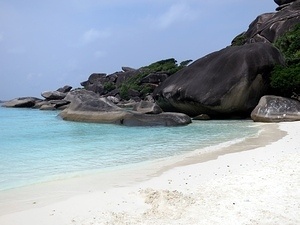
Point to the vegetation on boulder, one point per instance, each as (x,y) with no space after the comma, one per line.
(168,66)
(239,40)
(285,80)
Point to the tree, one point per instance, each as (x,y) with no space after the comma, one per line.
(285,80)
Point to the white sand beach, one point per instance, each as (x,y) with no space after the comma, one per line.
(253,182)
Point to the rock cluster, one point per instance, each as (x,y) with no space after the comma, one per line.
(111,84)
(53,100)
(87,106)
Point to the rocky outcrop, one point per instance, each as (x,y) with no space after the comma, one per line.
(225,83)
(24,102)
(132,84)
(87,106)
(276,109)
(53,100)
(269,27)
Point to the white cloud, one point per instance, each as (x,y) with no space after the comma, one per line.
(179,12)
(94,34)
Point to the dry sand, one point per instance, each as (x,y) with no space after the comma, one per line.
(230,186)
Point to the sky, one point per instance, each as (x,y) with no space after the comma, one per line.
(47,44)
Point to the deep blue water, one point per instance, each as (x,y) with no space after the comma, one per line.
(37,145)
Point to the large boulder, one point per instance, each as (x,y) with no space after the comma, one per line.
(24,102)
(87,106)
(269,27)
(276,109)
(225,83)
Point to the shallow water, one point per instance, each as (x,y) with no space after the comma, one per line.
(38,146)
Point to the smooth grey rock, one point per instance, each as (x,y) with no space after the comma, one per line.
(162,119)
(24,102)
(147,107)
(225,83)
(53,95)
(276,109)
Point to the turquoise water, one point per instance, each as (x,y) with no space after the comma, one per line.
(37,145)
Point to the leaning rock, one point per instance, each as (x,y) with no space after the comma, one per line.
(276,109)
(54,95)
(147,107)
(226,83)
(25,102)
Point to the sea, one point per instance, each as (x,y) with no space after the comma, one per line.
(38,146)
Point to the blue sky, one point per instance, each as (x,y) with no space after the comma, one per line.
(47,44)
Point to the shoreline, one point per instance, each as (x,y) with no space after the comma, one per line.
(63,188)
(181,176)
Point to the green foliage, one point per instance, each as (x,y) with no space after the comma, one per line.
(168,66)
(109,86)
(289,45)
(239,40)
(185,63)
(285,80)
